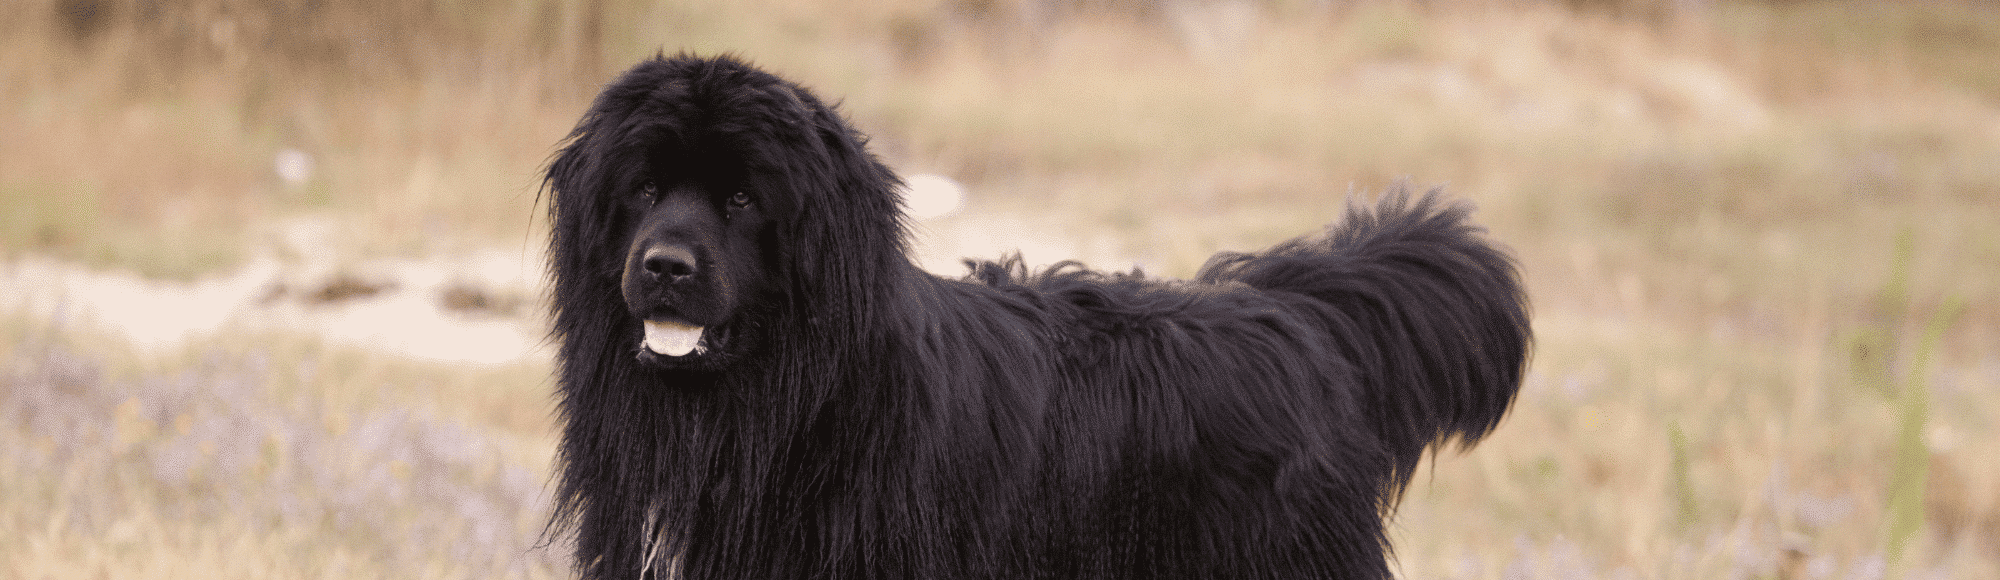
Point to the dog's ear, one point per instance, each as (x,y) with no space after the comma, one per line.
(846,243)
(577,212)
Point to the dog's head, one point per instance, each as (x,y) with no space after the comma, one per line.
(717,206)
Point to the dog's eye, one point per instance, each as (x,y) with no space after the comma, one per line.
(741,199)
(649,191)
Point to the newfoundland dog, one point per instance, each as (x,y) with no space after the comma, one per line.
(755,382)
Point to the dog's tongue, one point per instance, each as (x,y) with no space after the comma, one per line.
(672,338)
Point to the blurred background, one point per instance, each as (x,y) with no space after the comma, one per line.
(271,293)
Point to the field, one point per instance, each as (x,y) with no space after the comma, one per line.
(1760,239)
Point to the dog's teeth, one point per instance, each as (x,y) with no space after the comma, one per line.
(672,338)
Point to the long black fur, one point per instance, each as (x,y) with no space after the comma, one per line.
(859,418)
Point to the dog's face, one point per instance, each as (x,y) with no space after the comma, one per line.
(704,209)
(672,184)
(695,232)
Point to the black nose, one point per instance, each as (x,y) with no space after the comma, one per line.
(672,263)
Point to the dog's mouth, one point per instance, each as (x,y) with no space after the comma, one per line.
(675,343)
(674,338)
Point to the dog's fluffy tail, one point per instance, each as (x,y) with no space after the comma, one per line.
(1431,317)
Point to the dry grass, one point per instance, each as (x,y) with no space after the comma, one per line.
(1731,381)
(286,460)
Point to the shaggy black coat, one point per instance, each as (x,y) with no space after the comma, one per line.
(847,415)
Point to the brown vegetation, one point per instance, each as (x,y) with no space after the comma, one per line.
(1759,237)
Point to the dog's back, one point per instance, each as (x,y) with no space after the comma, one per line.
(1285,395)
(1432,315)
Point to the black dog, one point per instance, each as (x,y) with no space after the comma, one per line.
(755,382)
